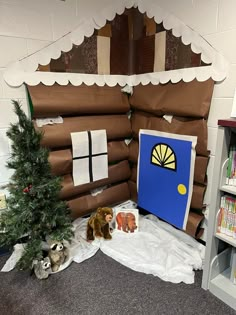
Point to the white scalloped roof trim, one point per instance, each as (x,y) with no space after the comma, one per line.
(24,71)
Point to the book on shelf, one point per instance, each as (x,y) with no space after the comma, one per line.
(226,221)
(231,167)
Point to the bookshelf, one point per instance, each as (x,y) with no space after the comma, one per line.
(220,247)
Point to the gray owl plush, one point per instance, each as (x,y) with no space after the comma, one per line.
(42,268)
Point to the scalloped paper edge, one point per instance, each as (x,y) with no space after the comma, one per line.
(24,70)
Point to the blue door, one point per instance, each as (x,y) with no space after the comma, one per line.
(165,175)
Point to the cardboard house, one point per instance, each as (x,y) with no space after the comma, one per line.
(83,78)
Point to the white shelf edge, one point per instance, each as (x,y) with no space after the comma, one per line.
(224,289)
(228,239)
(229,189)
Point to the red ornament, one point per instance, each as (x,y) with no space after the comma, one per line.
(26,190)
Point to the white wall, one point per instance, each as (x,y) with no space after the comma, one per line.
(28,25)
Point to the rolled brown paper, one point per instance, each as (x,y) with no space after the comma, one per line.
(178,125)
(198,196)
(116,173)
(191,99)
(86,204)
(58,135)
(193,224)
(133,176)
(61,160)
(133,190)
(68,100)
(200,167)
(133,150)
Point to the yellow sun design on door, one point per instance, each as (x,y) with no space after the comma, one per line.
(163,156)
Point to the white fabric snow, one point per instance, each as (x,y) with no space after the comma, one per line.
(157,249)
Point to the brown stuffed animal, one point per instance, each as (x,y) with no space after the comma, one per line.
(98,224)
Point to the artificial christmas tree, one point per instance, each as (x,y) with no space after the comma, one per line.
(34,211)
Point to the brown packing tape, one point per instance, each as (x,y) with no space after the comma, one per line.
(110,196)
(200,169)
(178,125)
(61,160)
(116,173)
(191,99)
(67,100)
(193,224)
(58,135)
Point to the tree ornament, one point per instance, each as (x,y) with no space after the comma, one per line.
(26,190)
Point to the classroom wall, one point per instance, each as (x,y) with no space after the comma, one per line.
(28,25)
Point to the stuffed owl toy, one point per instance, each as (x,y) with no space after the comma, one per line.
(42,268)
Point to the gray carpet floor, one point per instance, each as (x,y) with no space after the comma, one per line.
(102,286)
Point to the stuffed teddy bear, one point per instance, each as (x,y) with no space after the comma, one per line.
(98,224)
(58,254)
(42,268)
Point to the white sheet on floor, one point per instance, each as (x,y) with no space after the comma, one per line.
(157,249)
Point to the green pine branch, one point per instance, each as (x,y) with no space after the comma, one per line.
(34,207)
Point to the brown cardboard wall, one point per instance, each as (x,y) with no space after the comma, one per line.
(77,100)
(61,160)
(58,135)
(188,105)
(116,173)
(86,204)
(179,125)
(85,108)
(183,99)
(91,108)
